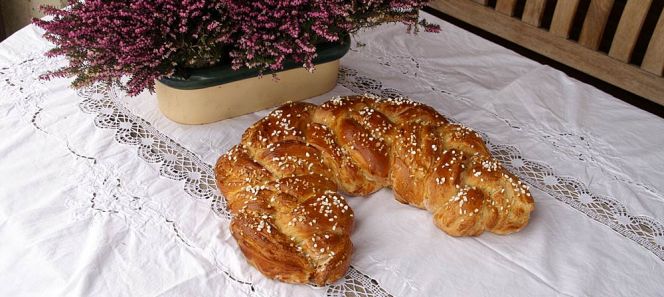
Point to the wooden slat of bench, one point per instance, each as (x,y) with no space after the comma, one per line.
(533,12)
(595,22)
(506,7)
(483,2)
(2,26)
(628,29)
(597,64)
(653,61)
(563,17)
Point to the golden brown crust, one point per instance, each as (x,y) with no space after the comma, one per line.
(282,181)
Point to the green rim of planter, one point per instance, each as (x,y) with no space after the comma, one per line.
(222,74)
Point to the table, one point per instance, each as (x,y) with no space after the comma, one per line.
(100,195)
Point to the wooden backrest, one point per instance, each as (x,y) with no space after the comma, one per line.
(2,26)
(523,22)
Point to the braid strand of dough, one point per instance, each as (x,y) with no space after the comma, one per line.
(282,182)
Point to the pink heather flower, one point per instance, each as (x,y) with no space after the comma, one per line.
(144,40)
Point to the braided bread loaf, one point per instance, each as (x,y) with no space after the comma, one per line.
(281,181)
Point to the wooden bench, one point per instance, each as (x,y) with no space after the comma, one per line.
(523,22)
(2,26)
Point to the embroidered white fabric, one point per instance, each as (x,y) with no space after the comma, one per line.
(100,195)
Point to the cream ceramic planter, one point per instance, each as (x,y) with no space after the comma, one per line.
(216,103)
(219,93)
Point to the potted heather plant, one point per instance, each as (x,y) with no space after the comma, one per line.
(205,58)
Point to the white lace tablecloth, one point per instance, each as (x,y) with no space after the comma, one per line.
(100,195)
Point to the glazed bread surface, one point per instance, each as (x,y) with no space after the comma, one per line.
(282,182)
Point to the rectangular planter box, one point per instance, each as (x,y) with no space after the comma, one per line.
(216,103)
(217,93)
